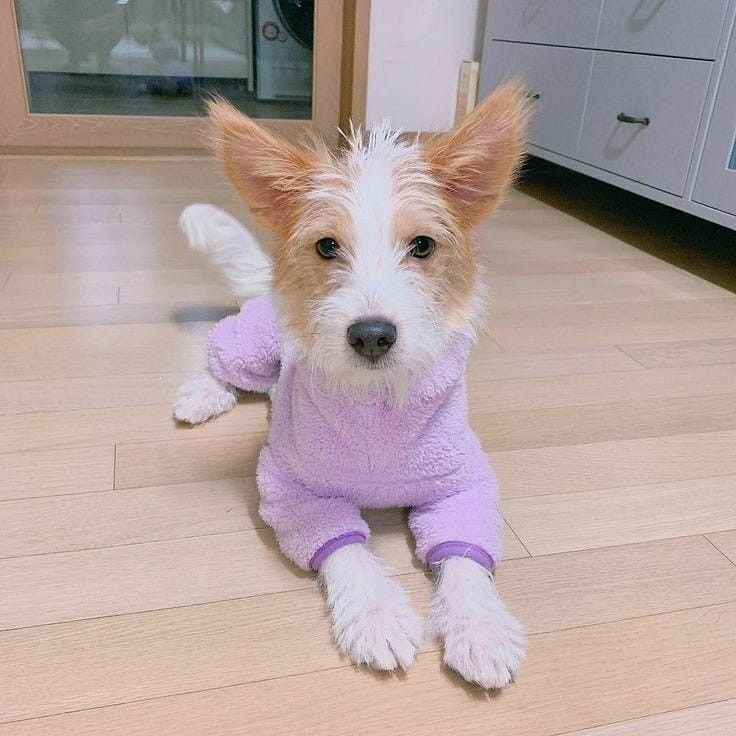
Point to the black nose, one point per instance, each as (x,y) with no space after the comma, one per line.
(372,338)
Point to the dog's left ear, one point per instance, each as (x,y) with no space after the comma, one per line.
(477,160)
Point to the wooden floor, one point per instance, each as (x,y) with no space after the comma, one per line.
(139,590)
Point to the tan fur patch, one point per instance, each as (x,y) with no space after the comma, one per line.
(477,160)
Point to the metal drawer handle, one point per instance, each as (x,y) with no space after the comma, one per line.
(622,117)
(533,95)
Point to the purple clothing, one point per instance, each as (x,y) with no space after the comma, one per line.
(328,455)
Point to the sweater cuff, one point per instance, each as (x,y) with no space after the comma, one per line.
(459,549)
(334,544)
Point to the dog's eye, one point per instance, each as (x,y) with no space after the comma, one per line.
(422,246)
(327,247)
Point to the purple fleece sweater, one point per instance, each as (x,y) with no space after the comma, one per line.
(329,455)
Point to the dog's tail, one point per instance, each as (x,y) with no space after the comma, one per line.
(231,249)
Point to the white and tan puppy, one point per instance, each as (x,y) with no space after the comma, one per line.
(373,282)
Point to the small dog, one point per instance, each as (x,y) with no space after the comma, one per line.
(360,331)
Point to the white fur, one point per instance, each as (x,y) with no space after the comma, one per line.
(232,249)
(247,271)
(202,398)
(483,642)
(372,621)
(378,178)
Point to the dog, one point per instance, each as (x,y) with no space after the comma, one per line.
(359,325)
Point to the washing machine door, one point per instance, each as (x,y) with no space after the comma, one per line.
(297,17)
(284,40)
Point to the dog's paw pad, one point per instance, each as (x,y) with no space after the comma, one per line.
(485,651)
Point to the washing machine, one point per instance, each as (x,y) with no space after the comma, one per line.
(284,39)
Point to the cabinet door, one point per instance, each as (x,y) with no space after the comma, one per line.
(558,79)
(559,22)
(672,28)
(715,185)
(642,117)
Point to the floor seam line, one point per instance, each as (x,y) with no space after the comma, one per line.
(644,717)
(716,547)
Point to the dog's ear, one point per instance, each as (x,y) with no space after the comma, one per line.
(477,160)
(268,171)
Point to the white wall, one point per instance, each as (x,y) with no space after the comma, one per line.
(415,50)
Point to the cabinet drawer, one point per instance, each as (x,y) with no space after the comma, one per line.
(558,75)
(670,27)
(670,92)
(563,22)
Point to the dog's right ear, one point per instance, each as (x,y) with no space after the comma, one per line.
(268,171)
(476,160)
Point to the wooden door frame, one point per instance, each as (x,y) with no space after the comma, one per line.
(21,130)
(355,48)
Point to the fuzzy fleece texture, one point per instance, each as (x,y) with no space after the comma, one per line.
(328,454)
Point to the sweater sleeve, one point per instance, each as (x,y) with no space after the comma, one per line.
(244,350)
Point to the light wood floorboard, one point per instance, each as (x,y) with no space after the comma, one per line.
(52,472)
(682,353)
(563,522)
(615,463)
(714,719)
(623,420)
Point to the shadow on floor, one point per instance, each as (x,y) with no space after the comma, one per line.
(698,246)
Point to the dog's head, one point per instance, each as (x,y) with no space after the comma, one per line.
(375,266)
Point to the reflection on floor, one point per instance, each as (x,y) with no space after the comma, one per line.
(119,94)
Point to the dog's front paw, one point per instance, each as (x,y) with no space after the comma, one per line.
(372,621)
(383,633)
(202,398)
(483,642)
(485,650)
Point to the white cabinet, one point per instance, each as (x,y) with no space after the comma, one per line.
(716,182)
(638,93)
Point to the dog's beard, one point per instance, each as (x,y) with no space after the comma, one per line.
(357,377)
(392,375)
(423,332)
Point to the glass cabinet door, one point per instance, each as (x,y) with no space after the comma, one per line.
(715,184)
(165,57)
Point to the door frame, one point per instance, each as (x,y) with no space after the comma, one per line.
(21,129)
